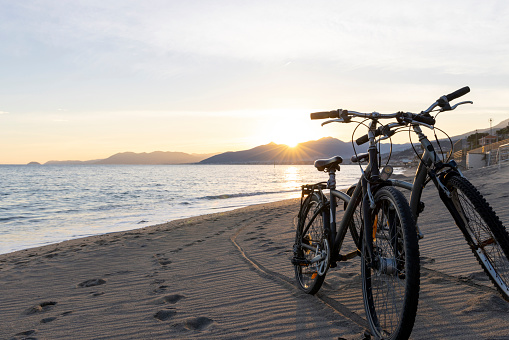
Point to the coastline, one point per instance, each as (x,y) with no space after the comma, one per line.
(227,275)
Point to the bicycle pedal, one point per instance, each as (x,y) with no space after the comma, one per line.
(349,256)
(296,261)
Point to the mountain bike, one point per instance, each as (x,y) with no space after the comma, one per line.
(481,227)
(386,239)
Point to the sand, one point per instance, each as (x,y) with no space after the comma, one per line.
(228,276)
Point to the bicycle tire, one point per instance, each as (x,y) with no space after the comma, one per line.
(355,225)
(491,240)
(390,286)
(311,241)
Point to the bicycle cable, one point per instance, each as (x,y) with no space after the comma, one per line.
(438,143)
(379,147)
(353,145)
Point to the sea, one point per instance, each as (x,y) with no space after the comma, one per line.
(44,204)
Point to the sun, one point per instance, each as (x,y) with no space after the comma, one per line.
(286,134)
(288,127)
(290,141)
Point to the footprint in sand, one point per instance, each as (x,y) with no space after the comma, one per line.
(165,314)
(40,308)
(486,303)
(478,276)
(162,260)
(174,298)
(436,279)
(91,283)
(94,294)
(23,335)
(198,324)
(47,320)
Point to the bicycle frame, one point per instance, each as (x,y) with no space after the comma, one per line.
(363,189)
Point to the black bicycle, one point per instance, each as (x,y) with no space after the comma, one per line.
(481,227)
(381,223)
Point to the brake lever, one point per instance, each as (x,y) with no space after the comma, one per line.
(338,120)
(461,103)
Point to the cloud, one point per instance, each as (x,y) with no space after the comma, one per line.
(3,112)
(165,37)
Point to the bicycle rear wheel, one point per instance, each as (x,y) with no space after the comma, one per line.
(311,250)
(490,239)
(390,283)
(355,225)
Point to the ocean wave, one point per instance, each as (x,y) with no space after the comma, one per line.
(246,194)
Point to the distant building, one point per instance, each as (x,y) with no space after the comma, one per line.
(487,140)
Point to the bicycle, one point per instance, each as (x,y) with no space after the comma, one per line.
(481,227)
(387,240)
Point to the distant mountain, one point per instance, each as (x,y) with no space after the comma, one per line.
(156,157)
(153,158)
(303,153)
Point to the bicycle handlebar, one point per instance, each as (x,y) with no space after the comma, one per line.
(403,118)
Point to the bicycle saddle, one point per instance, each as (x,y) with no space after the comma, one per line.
(322,164)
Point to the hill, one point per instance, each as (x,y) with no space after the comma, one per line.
(155,158)
(303,153)
(499,126)
(152,158)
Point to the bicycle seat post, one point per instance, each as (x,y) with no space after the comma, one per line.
(331,185)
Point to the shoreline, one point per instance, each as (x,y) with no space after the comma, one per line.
(406,175)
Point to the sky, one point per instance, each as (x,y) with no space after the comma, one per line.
(82,80)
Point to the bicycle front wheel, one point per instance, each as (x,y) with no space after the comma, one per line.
(490,240)
(390,280)
(311,249)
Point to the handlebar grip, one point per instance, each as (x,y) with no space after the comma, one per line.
(363,139)
(325,114)
(424,119)
(458,93)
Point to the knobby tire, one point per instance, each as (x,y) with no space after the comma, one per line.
(490,239)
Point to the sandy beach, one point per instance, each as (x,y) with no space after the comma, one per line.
(228,276)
